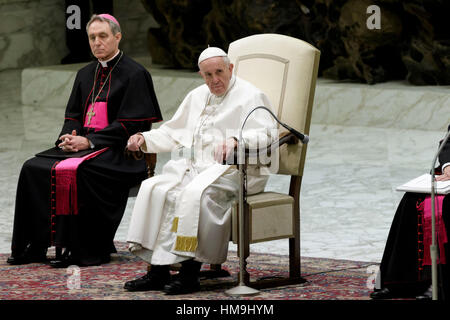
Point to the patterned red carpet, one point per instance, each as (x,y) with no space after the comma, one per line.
(327,279)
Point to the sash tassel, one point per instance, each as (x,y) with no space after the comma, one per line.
(66,193)
(188,244)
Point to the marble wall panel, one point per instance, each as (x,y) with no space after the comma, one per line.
(47,86)
(32,32)
(51,86)
(135,23)
(171,91)
(384,105)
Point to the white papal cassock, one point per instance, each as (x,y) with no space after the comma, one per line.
(185,212)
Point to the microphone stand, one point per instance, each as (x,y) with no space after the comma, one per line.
(433,248)
(241,289)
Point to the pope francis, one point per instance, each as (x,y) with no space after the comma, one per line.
(184,214)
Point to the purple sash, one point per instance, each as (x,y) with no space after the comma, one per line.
(440,229)
(66,184)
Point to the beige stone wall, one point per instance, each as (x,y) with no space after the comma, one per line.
(135,22)
(32,32)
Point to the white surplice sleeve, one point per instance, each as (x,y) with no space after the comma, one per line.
(178,131)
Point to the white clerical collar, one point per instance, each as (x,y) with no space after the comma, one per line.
(105,62)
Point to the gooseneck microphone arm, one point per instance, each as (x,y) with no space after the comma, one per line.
(302,137)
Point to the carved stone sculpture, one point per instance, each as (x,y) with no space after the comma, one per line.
(412,43)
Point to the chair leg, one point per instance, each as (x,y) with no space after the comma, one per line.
(294,248)
(294,258)
(294,243)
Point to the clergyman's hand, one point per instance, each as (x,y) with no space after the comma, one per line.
(135,142)
(445,174)
(73,143)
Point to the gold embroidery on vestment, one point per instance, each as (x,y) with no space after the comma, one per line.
(184,243)
(175,225)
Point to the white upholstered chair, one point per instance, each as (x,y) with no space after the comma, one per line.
(285,69)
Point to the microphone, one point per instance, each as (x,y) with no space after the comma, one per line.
(302,137)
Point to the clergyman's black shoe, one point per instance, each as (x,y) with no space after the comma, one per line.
(67,259)
(384,293)
(29,255)
(22,259)
(153,280)
(63,263)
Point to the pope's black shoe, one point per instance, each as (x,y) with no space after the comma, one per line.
(384,293)
(179,286)
(29,255)
(155,279)
(187,281)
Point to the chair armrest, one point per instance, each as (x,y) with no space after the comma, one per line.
(284,138)
(136,155)
(150,159)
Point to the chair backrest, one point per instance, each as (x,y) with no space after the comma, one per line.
(285,69)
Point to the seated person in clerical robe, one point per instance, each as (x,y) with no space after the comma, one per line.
(405,269)
(74,195)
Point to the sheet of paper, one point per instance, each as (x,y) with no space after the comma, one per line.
(422,184)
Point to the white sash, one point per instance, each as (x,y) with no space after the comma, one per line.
(187,210)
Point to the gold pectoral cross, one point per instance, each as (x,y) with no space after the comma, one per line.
(90,114)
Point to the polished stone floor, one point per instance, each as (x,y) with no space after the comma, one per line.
(348,195)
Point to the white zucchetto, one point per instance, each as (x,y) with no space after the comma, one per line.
(211,52)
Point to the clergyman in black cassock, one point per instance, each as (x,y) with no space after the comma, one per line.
(403,272)
(111,100)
